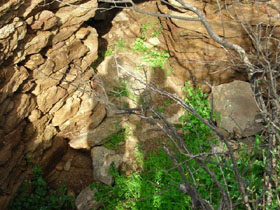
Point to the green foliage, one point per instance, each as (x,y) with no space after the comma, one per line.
(191,125)
(108,52)
(144,190)
(112,141)
(153,58)
(34,195)
(121,44)
(199,139)
(121,91)
(154,29)
(139,46)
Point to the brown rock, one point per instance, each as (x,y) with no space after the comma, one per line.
(49,97)
(101,162)
(45,21)
(64,34)
(67,111)
(19,75)
(34,61)
(82,33)
(237,107)
(89,138)
(77,50)
(23,105)
(38,42)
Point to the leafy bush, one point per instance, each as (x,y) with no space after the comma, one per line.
(112,141)
(157,185)
(35,195)
(144,190)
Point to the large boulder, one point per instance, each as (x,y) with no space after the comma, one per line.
(235,104)
(102,159)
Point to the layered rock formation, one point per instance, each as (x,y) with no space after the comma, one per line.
(46,85)
(45,53)
(198,57)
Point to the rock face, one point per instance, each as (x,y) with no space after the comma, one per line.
(237,107)
(46,84)
(45,53)
(85,200)
(196,56)
(101,162)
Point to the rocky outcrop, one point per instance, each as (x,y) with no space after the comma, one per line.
(45,54)
(102,159)
(46,84)
(199,58)
(85,200)
(235,104)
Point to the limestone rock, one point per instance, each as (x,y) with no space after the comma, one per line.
(237,107)
(23,105)
(38,42)
(50,97)
(13,83)
(89,138)
(85,201)
(34,61)
(101,162)
(67,111)
(77,50)
(10,35)
(38,50)
(45,20)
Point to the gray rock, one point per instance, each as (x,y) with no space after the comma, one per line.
(237,107)
(101,161)
(85,201)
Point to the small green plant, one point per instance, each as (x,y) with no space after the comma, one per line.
(155,29)
(121,91)
(108,52)
(153,58)
(143,190)
(121,44)
(35,194)
(139,46)
(113,141)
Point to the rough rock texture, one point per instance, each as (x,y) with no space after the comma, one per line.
(45,51)
(237,107)
(85,201)
(101,162)
(196,56)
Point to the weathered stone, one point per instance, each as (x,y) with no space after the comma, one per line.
(10,35)
(101,162)
(23,105)
(237,107)
(45,21)
(89,138)
(67,165)
(85,200)
(34,115)
(64,34)
(34,61)
(67,111)
(77,50)
(82,33)
(81,13)
(49,97)
(38,42)
(19,75)
(45,77)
